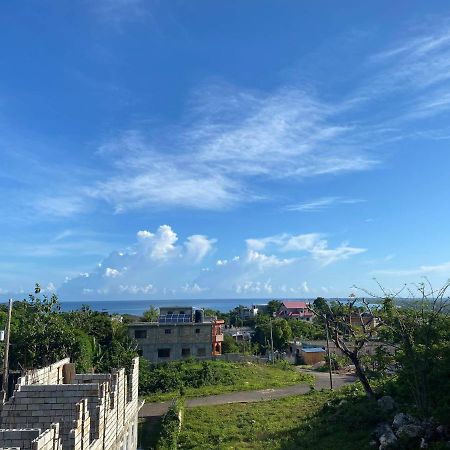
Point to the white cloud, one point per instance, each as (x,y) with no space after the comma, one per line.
(161,245)
(198,246)
(323,203)
(159,264)
(312,243)
(443,268)
(134,289)
(254,287)
(111,273)
(61,206)
(118,12)
(263,261)
(193,288)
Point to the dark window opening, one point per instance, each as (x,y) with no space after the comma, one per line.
(185,352)
(168,331)
(163,352)
(197,330)
(182,312)
(139,352)
(201,352)
(140,334)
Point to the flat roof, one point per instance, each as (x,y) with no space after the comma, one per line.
(313,350)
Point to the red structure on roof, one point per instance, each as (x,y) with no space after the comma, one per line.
(296,310)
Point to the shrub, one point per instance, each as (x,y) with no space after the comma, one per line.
(170,426)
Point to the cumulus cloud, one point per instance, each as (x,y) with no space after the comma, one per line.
(111,273)
(161,265)
(312,243)
(159,245)
(198,246)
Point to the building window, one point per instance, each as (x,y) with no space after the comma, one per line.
(140,334)
(197,331)
(185,352)
(169,312)
(182,312)
(163,352)
(201,352)
(167,331)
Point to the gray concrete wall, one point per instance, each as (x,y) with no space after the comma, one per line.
(95,412)
(179,337)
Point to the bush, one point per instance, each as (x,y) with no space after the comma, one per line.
(173,376)
(170,426)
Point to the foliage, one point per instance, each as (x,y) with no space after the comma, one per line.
(229,345)
(170,426)
(41,334)
(321,420)
(151,314)
(281,332)
(273,306)
(351,327)
(194,378)
(306,330)
(420,334)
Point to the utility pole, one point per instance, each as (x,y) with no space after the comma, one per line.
(6,355)
(271,342)
(329,356)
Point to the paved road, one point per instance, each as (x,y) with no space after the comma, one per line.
(322,382)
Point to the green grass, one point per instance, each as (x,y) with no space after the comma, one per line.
(239,377)
(312,421)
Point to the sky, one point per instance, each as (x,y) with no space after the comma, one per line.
(198,149)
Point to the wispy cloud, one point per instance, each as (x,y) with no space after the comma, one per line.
(231,141)
(119,12)
(443,268)
(322,203)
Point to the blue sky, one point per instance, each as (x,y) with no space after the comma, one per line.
(173,149)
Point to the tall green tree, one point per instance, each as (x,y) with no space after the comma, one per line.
(151,314)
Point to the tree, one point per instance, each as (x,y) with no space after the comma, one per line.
(151,314)
(281,332)
(41,336)
(350,327)
(229,344)
(419,330)
(273,306)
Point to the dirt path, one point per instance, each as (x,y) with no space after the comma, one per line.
(322,382)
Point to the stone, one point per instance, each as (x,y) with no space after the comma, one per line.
(402,419)
(385,436)
(410,431)
(387,440)
(381,429)
(386,403)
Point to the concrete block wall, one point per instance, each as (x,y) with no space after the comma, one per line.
(52,374)
(18,438)
(96,412)
(48,440)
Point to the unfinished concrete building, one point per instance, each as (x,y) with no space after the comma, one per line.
(179,333)
(55,409)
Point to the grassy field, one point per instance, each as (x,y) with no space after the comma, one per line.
(312,421)
(237,377)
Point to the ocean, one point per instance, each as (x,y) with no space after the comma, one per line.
(137,307)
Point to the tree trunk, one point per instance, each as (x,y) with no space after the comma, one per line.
(361,375)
